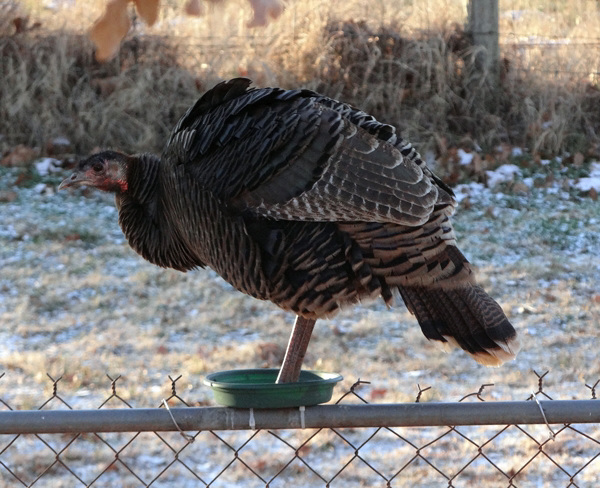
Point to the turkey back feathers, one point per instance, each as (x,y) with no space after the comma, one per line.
(308,202)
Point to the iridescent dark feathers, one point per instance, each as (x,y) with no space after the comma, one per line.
(310,203)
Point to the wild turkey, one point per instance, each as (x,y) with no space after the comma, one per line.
(307,202)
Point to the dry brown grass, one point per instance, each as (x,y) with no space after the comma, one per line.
(53,87)
(409,63)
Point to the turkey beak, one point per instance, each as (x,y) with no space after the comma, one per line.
(75,179)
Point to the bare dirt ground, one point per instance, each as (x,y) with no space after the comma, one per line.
(76,301)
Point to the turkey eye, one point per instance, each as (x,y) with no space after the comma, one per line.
(98,167)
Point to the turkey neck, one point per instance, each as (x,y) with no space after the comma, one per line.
(141,217)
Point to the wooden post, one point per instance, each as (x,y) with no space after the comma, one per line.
(483,26)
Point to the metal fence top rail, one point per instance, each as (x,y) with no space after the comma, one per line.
(222,418)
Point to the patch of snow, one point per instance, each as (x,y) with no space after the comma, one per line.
(514,14)
(464,157)
(516,151)
(150,460)
(528,182)
(587,184)
(56,5)
(429,158)
(590,182)
(468,190)
(61,141)
(45,166)
(503,174)
(416,373)
(39,188)
(545,162)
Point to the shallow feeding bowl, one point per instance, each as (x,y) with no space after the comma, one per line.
(256,388)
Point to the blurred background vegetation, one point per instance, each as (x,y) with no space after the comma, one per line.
(410,63)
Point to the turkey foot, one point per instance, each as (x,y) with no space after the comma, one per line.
(296,350)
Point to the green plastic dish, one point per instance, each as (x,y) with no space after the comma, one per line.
(256,388)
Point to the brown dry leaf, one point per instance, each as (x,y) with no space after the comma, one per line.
(21,155)
(489,161)
(304,450)
(452,155)
(148,10)
(442,144)
(58,146)
(105,86)
(23,179)
(520,188)
(593,194)
(491,212)
(478,164)
(505,152)
(194,8)
(378,393)
(467,143)
(20,24)
(110,29)
(271,352)
(7,196)
(578,159)
(262,9)
(259,464)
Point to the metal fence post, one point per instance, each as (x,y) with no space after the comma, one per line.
(483,27)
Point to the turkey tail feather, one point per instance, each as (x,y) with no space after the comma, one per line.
(466,317)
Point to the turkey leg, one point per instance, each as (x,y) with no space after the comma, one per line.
(296,350)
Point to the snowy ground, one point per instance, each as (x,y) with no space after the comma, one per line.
(76,301)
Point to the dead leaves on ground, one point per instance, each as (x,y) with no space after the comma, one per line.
(19,156)
(110,29)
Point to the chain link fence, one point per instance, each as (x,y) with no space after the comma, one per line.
(536,442)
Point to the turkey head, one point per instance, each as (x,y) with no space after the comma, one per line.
(106,171)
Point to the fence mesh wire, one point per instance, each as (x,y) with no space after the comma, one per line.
(453,456)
